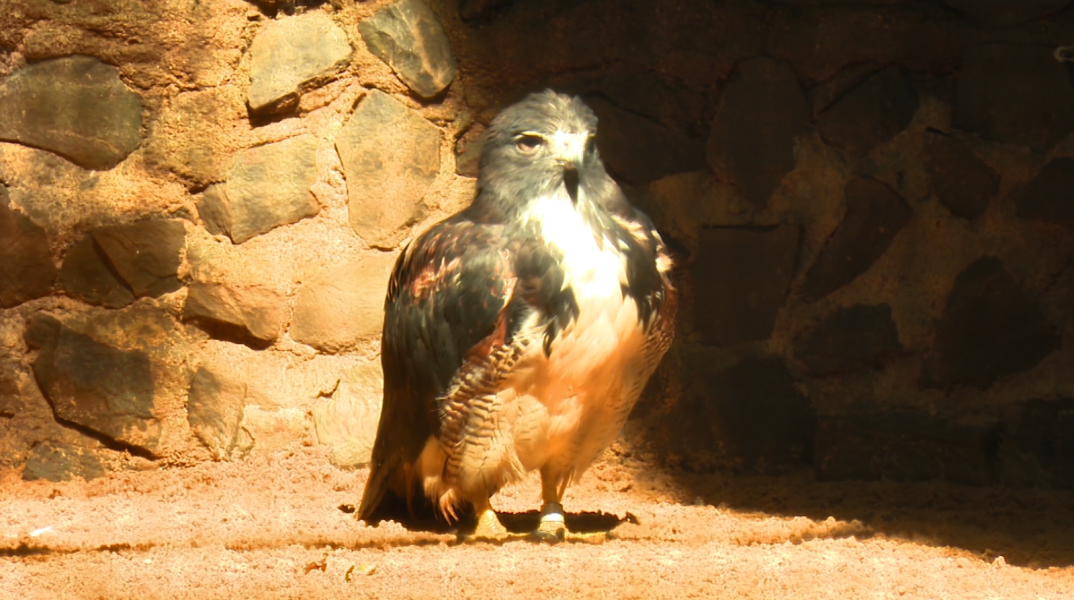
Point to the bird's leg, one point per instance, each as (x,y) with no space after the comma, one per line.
(552,527)
(488,524)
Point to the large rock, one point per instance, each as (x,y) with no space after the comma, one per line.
(1014,93)
(343,304)
(962,181)
(762,109)
(989,328)
(740,280)
(245,314)
(26,269)
(291,54)
(1050,196)
(1007,12)
(75,106)
(875,214)
(56,461)
(408,37)
(268,186)
(905,446)
(95,385)
(391,155)
(759,416)
(871,113)
(1038,444)
(857,337)
(347,422)
(639,149)
(215,409)
(114,265)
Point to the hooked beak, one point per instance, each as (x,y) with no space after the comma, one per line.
(569,151)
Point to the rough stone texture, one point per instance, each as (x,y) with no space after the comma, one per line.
(347,422)
(76,106)
(962,181)
(851,338)
(214,209)
(906,446)
(86,276)
(274,429)
(468,151)
(759,417)
(408,37)
(215,408)
(1038,444)
(1014,93)
(343,304)
(95,385)
(114,265)
(1007,12)
(989,328)
(26,269)
(290,54)
(1049,196)
(762,109)
(391,155)
(871,113)
(639,149)
(269,186)
(740,279)
(875,214)
(244,314)
(55,461)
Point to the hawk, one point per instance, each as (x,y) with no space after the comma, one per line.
(519,333)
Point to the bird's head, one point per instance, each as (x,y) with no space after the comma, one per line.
(537,145)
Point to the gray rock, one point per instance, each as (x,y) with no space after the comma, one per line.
(391,155)
(408,37)
(758,416)
(762,109)
(55,461)
(1048,197)
(114,265)
(740,278)
(875,215)
(26,269)
(989,328)
(214,209)
(214,410)
(343,304)
(269,186)
(905,446)
(292,54)
(857,337)
(640,149)
(1014,93)
(347,422)
(869,114)
(244,314)
(962,181)
(75,106)
(1037,444)
(95,385)
(1007,12)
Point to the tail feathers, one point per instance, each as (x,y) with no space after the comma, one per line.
(380,481)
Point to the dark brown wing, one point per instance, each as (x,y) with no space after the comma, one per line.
(447,297)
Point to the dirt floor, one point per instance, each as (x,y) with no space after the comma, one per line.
(281,527)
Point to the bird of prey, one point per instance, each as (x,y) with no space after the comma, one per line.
(519,333)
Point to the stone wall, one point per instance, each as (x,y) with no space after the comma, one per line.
(870,202)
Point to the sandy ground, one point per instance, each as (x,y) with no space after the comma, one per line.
(279,527)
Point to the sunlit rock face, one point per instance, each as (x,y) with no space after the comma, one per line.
(200,204)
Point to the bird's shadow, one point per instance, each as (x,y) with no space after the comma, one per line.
(424,519)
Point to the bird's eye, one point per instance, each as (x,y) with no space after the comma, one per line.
(528,142)
(590,144)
